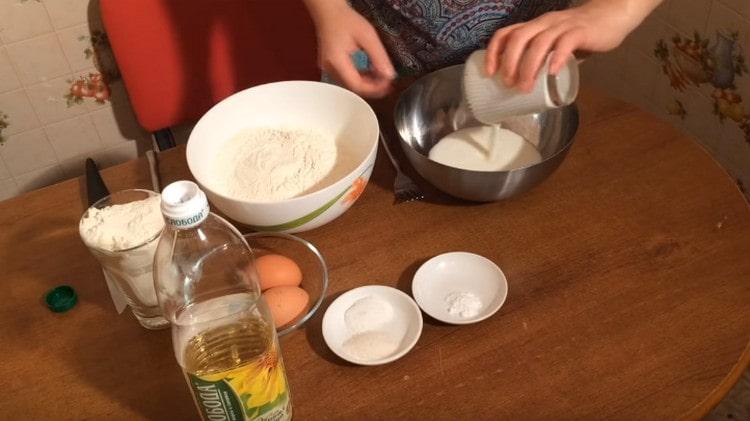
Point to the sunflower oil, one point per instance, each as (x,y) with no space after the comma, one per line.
(222,331)
(233,367)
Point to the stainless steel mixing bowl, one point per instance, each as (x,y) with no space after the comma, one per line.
(433,107)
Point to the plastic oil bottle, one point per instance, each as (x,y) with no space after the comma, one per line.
(223,335)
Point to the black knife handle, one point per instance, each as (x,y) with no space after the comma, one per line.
(95,187)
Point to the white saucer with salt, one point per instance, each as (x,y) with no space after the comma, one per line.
(372,325)
(459,287)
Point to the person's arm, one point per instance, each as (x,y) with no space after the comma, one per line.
(341,31)
(519,51)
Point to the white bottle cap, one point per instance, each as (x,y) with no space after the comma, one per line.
(183,204)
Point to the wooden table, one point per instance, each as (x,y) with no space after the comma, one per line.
(629,276)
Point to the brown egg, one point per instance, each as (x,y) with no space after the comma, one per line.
(276,270)
(287,303)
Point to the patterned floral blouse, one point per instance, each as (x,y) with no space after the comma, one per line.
(424,35)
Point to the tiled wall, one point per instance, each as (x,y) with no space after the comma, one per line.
(61,99)
(700,84)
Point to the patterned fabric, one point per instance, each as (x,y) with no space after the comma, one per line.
(424,35)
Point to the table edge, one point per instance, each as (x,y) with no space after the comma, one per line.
(704,407)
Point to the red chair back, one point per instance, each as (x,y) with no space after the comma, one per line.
(180,57)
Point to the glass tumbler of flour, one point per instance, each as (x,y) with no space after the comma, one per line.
(122,231)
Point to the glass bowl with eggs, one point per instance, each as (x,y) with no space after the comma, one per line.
(293,277)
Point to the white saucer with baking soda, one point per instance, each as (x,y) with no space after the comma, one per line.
(372,325)
(459,287)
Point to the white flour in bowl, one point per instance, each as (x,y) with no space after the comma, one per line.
(368,313)
(463,304)
(269,164)
(368,319)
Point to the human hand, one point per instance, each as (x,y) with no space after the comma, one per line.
(342,31)
(519,51)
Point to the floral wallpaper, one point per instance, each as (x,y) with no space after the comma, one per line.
(687,63)
(698,61)
(62,99)
(3,125)
(91,85)
(94,85)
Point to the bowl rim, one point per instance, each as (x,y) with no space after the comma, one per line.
(572,106)
(359,169)
(324,289)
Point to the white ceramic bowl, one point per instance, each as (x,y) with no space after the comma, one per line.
(327,108)
(459,272)
(405,325)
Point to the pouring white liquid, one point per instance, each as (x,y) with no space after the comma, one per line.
(491,101)
(485,148)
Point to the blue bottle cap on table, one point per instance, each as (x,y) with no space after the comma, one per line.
(61,299)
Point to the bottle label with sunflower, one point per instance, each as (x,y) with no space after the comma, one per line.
(249,392)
